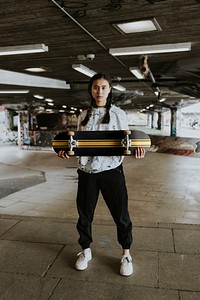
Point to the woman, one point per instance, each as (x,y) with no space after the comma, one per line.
(105,174)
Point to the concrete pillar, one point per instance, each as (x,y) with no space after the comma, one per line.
(159,122)
(24,128)
(173,121)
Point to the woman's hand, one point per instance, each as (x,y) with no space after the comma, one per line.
(62,154)
(139,152)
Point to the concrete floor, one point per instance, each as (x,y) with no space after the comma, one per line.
(38,238)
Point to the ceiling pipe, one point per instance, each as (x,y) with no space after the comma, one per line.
(77,23)
(86,31)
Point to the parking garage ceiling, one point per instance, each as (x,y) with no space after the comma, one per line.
(85,33)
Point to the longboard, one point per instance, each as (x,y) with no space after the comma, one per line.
(101,143)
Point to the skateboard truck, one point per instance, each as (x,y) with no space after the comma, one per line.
(72,143)
(126,142)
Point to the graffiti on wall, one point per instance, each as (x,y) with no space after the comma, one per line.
(7,135)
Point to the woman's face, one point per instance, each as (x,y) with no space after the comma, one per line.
(100,90)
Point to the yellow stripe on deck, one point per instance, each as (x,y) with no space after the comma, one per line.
(140,143)
(101,143)
(98,143)
(60,144)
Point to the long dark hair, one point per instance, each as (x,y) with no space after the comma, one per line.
(106,118)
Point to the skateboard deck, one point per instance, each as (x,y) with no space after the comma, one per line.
(101,143)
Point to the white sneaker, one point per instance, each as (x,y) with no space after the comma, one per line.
(126,268)
(83,258)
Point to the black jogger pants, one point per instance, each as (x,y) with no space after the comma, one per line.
(112,185)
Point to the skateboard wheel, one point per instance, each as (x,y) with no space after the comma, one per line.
(70,153)
(127,132)
(70,133)
(127,152)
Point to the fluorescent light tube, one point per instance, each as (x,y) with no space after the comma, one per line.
(14,91)
(162,99)
(136,72)
(151,49)
(36,70)
(38,97)
(119,87)
(84,70)
(23,49)
(49,100)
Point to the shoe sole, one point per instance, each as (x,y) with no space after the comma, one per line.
(78,269)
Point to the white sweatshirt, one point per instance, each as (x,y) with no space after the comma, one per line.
(118,121)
